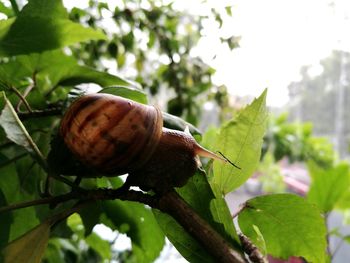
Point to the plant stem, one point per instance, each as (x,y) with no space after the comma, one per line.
(14,7)
(172,204)
(43,201)
(22,99)
(251,250)
(39,113)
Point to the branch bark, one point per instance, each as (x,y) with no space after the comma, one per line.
(170,203)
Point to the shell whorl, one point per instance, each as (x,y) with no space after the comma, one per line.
(110,133)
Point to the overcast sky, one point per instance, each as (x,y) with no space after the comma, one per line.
(277,38)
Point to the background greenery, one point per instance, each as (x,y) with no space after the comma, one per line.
(47,52)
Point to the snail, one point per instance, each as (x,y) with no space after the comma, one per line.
(115,136)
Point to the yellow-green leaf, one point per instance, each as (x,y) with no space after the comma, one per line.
(30,247)
(241,141)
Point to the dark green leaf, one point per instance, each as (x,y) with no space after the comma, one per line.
(5,222)
(129,93)
(189,248)
(199,196)
(22,219)
(289,224)
(42,26)
(241,141)
(139,224)
(29,248)
(51,69)
(82,74)
(100,245)
(90,215)
(328,186)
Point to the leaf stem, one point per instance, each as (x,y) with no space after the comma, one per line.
(14,7)
(43,201)
(22,99)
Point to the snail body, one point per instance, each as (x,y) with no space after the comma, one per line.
(115,136)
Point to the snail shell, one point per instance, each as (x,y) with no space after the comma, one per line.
(110,133)
(115,136)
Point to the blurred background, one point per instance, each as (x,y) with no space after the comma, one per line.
(205,60)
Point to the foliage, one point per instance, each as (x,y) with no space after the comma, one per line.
(36,90)
(328,185)
(284,215)
(155,40)
(296,142)
(239,140)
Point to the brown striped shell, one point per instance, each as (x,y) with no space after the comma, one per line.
(110,133)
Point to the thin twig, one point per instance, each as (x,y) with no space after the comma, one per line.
(252,251)
(22,99)
(170,203)
(39,113)
(67,182)
(13,159)
(240,208)
(42,201)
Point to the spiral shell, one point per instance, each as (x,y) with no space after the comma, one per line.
(111,134)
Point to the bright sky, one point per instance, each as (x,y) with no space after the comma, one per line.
(277,38)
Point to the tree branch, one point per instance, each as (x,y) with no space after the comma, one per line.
(170,203)
(43,201)
(252,251)
(39,113)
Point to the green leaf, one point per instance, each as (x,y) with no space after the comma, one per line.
(16,132)
(82,74)
(129,93)
(139,224)
(22,219)
(260,241)
(241,141)
(228,10)
(328,186)
(5,222)
(198,194)
(52,69)
(188,247)
(40,26)
(30,247)
(289,224)
(6,10)
(100,245)
(90,215)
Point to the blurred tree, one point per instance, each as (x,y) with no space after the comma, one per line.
(324,99)
(151,43)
